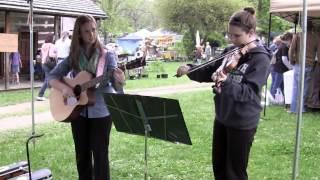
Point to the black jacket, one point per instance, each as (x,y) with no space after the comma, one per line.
(279,67)
(238,105)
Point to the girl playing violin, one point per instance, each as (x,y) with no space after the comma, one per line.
(238,79)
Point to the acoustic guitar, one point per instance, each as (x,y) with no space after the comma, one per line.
(66,110)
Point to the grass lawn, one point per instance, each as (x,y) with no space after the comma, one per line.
(271,156)
(20,96)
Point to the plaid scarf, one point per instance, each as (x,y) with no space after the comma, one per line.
(90,64)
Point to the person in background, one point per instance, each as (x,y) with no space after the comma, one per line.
(47,49)
(207,51)
(237,96)
(15,64)
(63,46)
(198,54)
(274,47)
(294,55)
(117,49)
(282,63)
(91,130)
(214,46)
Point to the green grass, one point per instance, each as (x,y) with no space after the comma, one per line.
(14,97)
(20,96)
(153,81)
(271,155)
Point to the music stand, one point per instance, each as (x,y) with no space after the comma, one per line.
(156,117)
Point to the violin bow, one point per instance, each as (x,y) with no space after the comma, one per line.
(218,58)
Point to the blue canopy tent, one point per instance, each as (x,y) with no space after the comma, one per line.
(130,43)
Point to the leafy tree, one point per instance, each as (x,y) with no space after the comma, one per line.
(277,24)
(127,16)
(210,17)
(207,16)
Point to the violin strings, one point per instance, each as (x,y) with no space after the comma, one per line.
(215,59)
(219,57)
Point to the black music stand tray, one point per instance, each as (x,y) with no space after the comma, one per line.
(155,117)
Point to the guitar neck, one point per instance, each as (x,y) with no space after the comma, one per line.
(91,83)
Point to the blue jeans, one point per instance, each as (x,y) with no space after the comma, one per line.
(295,88)
(44,86)
(277,82)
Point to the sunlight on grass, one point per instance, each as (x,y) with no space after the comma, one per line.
(271,155)
(20,96)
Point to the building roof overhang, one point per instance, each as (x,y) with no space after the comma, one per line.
(63,8)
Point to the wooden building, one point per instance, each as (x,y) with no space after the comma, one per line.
(48,19)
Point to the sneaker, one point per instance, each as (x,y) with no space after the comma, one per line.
(290,112)
(41,98)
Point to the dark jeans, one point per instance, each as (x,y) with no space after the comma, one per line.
(230,152)
(91,139)
(44,86)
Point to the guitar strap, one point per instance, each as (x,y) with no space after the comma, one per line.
(101,62)
(100,68)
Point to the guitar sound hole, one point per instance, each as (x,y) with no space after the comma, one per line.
(77,90)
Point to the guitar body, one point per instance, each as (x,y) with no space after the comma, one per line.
(66,113)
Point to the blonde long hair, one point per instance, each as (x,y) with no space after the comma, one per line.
(77,42)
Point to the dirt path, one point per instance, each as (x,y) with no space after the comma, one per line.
(15,121)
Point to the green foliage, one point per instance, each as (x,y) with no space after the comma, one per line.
(205,16)
(158,66)
(212,16)
(188,43)
(179,48)
(278,24)
(128,16)
(218,37)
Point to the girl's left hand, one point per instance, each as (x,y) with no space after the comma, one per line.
(119,76)
(219,76)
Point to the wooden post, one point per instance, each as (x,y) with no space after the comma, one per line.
(7,24)
(57,27)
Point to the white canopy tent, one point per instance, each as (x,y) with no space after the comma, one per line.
(297,11)
(289,9)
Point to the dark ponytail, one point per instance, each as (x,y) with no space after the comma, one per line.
(249,10)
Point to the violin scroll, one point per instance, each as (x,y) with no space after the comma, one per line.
(182,70)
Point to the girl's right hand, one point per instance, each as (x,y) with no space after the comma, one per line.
(67,92)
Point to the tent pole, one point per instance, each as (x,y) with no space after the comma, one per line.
(296,21)
(266,90)
(30,21)
(295,171)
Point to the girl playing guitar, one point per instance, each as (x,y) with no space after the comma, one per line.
(91,130)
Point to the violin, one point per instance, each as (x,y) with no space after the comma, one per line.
(229,63)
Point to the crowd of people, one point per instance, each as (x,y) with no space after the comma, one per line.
(52,54)
(286,57)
